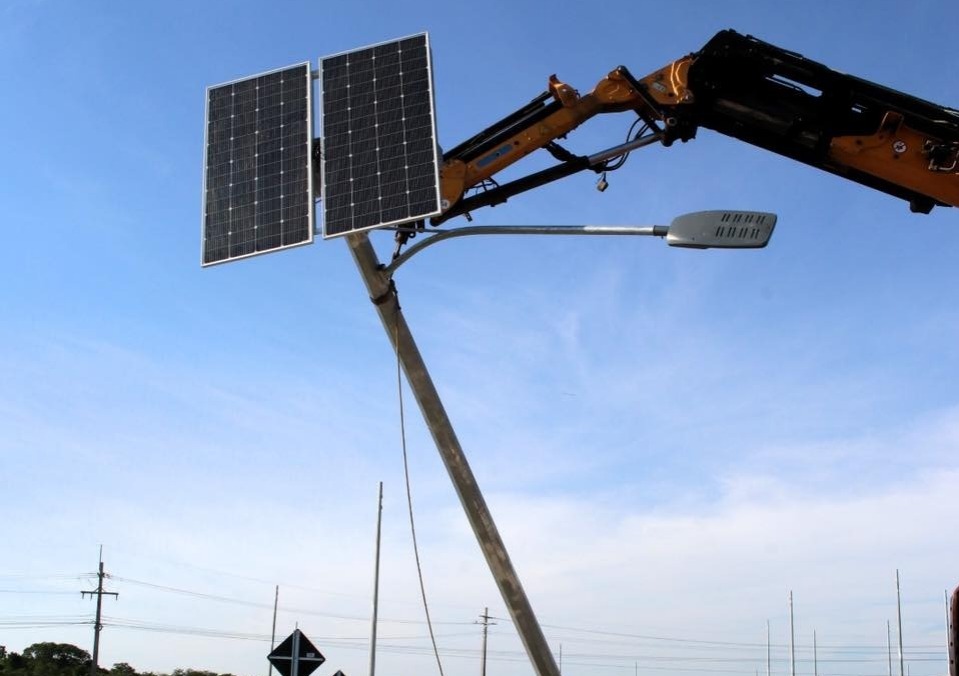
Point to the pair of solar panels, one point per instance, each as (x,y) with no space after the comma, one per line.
(379,159)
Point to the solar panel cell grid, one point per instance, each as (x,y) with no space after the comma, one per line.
(380,160)
(258,194)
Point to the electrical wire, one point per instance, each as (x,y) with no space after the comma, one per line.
(35,591)
(259,604)
(613,166)
(409,493)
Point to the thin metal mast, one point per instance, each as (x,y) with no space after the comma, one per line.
(383,294)
(376,583)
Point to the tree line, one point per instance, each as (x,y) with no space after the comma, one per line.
(64,659)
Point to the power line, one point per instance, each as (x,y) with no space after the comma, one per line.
(35,591)
(259,604)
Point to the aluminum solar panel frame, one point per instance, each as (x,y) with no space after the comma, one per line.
(257,178)
(381,159)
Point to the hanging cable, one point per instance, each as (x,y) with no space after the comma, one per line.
(409,493)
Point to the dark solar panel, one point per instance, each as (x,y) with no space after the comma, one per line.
(257,180)
(380,163)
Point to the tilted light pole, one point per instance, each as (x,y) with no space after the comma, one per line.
(255,206)
(712,229)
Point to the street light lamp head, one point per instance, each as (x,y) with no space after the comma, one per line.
(721,230)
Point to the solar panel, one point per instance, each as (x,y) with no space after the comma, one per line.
(380,158)
(258,193)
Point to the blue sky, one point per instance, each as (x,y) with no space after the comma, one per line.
(669,440)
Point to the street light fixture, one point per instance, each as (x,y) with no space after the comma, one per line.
(721,229)
(706,229)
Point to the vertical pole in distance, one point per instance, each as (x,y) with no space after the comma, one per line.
(383,295)
(485,636)
(950,639)
(768,661)
(902,671)
(792,638)
(376,583)
(815,655)
(97,624)
(889,646)
(276,601)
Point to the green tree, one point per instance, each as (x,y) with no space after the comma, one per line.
(56,659)
(193,672)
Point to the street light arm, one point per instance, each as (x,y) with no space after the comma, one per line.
(647,230)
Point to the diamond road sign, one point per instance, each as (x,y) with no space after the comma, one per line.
(296,656)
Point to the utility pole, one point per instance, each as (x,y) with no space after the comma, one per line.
(768,661)
(486,623)
(902,671)
(97,626)
(949,637)
(276,602)
(889,647)
(792,638)
(815,655)
(376,582)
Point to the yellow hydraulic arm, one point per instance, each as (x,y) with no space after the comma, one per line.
(742,87)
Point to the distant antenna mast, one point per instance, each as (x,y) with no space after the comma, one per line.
(97,626)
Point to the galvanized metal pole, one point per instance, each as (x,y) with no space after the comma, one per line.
(376,583)
(383,294)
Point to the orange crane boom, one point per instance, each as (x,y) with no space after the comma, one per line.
(744,88)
